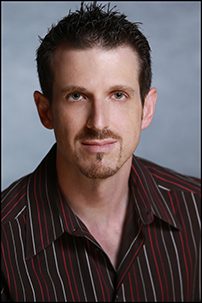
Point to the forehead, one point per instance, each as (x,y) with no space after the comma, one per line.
(95,68)
(65,54)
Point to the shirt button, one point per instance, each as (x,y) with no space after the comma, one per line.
(117,297)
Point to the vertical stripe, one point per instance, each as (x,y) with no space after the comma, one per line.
(186,267)
(8,277)
(150,275)
(178,263)
(52,283)
(129,248)
(123,292)
(61,203)
(30,217)
(169,263)
(39,265)
(156,195)
(63,256)
(136,284)
(157,268)
(91,277)
(72,271)
(42,295)
(193,239)
(42,203)
(186,239)
(61,224)
(160,256)
(16,261)
(58,272)
(197,214)
(96,271)
(80,272)
(142,278)
(163,205)
(146,194)
(130,263)
(101,275)
(139,192)
(11,267)
(38,212)
(52,224)
(25,265)
(107,269)
(171,202)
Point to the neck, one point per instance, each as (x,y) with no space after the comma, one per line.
(95,200)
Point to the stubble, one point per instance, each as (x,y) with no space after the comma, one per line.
(98,168)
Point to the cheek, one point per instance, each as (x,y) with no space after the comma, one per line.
(62,124)
(67,125)
(130,130)
(129,122)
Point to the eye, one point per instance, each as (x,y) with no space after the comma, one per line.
(119,95)
(74,97)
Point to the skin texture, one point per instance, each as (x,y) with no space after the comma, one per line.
(97,117)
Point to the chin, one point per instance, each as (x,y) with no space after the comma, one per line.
(98,173)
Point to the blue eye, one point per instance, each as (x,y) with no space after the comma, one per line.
(74,97)
(118,95)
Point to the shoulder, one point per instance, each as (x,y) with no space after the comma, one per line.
(13,199)
(174,197)
(170,179)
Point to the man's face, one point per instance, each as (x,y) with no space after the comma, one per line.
(96,110)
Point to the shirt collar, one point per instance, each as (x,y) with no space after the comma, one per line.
(48,216)
(147,196)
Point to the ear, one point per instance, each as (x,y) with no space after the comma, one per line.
(44,110)
(149,107)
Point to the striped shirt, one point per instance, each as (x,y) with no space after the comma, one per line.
(48,254)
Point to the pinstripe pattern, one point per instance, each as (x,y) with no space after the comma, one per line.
(48,253)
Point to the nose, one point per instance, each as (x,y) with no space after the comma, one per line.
(98,118)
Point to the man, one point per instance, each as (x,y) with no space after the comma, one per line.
(93,222)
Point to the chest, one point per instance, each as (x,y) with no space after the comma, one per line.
(153,266)
(110,241)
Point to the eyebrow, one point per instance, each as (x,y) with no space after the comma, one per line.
(121,87)
(73,88)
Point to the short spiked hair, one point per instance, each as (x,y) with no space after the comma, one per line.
(93,25)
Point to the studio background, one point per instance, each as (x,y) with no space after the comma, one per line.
(173,30)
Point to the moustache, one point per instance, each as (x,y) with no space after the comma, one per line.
(91,134)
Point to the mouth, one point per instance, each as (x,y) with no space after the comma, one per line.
(98,146)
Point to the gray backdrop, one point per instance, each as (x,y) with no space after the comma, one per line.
(173,30)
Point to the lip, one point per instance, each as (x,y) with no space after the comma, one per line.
(96,146)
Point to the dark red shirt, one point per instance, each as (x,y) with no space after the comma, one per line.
(48,254)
